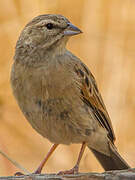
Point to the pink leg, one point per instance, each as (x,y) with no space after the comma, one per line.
(75,169)
(39,169)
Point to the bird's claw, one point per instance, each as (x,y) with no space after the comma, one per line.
(74,170)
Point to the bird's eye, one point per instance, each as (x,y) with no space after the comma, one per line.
(49,26)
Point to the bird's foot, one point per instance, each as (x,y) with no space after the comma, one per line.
(74,170)
(18,174)
(38,171)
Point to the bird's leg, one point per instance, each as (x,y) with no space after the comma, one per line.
(75,169)
(39,169)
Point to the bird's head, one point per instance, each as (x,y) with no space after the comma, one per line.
(48,31)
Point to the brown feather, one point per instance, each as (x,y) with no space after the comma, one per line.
(91,96)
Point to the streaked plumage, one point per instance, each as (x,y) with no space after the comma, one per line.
(58,94)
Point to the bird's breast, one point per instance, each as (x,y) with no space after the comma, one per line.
(45,99)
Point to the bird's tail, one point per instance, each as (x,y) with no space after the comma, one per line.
(112,162)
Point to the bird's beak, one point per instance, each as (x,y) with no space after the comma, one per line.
(72,30)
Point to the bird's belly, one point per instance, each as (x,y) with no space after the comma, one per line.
(52,111)
(53,119)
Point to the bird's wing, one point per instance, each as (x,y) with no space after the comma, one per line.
(91,96)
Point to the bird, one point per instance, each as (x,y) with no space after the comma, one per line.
(58,94)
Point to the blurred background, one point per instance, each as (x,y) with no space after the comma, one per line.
(107,46)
